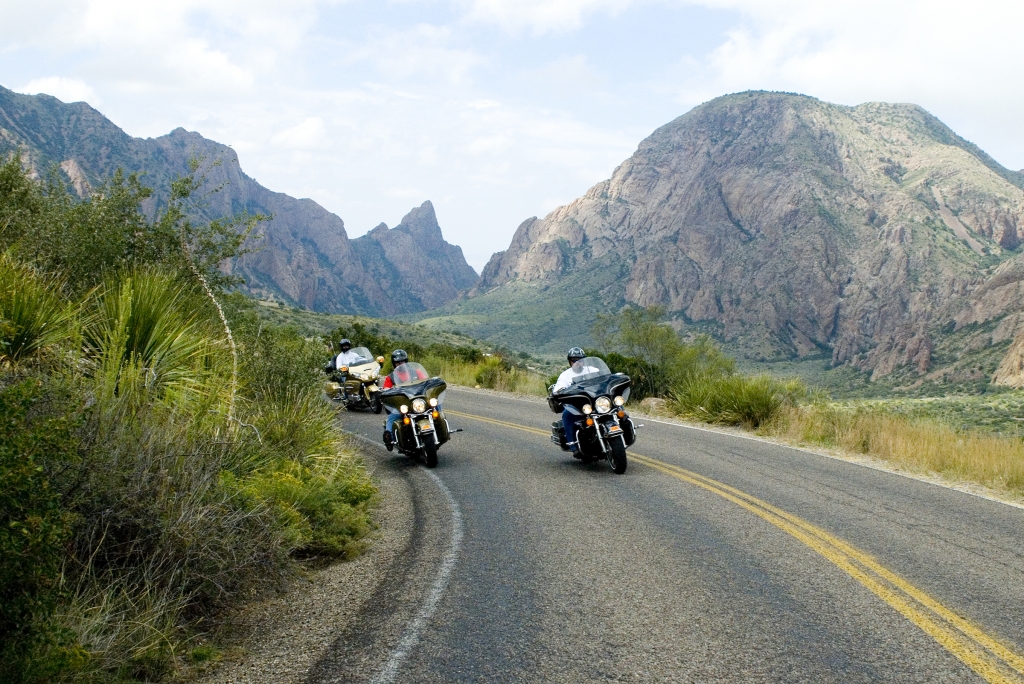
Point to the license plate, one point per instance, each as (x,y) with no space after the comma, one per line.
(614,428)
(424,425)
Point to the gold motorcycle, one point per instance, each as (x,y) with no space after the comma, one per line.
(355,385)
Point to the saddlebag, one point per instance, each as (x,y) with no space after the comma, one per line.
(558,435)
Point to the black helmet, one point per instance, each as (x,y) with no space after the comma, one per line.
(345,344)
(575,354)
(398,357)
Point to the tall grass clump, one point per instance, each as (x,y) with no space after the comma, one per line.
(35,314)
(734,399)
(144,489)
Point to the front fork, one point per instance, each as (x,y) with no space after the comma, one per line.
(414,428)
(607,430)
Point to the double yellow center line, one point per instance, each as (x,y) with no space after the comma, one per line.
(991,659)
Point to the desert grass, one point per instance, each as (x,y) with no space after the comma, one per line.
(919,445)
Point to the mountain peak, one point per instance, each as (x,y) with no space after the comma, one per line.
(421,223)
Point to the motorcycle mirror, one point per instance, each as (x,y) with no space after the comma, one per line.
(380,360)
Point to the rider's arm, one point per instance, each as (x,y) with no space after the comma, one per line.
(388,384)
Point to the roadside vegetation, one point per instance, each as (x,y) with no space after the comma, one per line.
(963,438)
(164,453)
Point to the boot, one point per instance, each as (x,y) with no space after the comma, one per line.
(388,444)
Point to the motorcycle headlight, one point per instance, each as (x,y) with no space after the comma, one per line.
(618,401)
(418,405)
(403,408)
(603,405)
(587,409)
(433,401)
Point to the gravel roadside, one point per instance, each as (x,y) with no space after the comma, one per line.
(277,641)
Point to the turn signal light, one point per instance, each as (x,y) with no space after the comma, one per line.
(622,414)
(405,419)
(344,369)
(590,421)
(435,414)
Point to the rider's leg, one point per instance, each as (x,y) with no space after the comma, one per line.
(569,425)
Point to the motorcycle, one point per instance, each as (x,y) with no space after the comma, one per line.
(355,385)
(603,428)
(422,427)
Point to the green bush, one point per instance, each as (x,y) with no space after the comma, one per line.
(323,504)
(734,399)
(36,431)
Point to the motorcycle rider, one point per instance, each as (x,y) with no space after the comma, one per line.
(400,374)
(344,359)
(576,370)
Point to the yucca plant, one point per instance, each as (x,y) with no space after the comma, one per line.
(141,335)
(34,314)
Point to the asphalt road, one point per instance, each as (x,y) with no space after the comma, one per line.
(714,558)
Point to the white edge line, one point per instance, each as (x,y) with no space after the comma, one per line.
(879,467)
(411,635)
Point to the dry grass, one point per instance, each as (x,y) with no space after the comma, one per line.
(922,446)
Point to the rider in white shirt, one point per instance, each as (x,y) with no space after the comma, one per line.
(567,378)
(346,357)
(574,372)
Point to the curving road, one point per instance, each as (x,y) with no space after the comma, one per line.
(715,558)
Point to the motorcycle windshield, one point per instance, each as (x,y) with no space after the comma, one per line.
(409,373)
(364,356)
(588,369)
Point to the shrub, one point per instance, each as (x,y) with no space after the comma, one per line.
(734,399)
(36,430)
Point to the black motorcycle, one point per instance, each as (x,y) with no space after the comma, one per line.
(422,427)
(597,399)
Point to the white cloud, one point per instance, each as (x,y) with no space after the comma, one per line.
(310,134)
(540,16)
(65,89)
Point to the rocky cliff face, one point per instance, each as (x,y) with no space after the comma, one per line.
(307,259)
(413,261)
(794,227)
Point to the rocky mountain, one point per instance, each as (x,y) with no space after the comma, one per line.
(413,260)
(789,228)
(307,259)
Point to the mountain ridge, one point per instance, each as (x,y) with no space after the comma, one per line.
(307,260)
(792,228)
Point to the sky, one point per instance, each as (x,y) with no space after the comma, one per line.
(495,110)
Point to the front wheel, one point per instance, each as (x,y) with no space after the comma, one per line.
(375,403)
(617,457)
(430,454)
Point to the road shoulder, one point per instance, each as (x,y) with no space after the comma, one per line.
(279,640)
